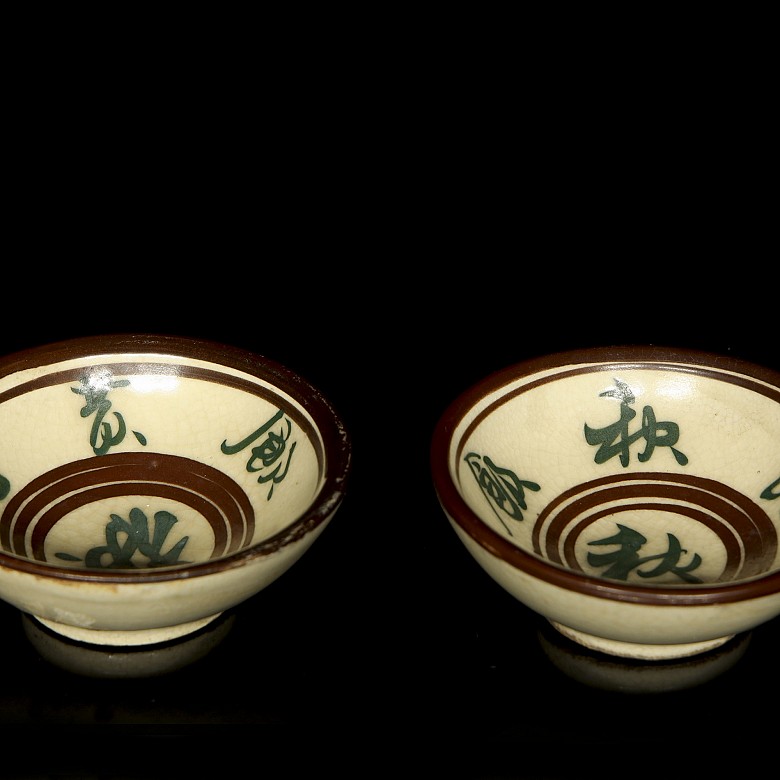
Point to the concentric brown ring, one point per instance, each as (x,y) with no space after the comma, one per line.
(731,515)
(198,359)
(466,413)
(49,497)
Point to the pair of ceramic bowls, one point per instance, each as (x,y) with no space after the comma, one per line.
(149,483)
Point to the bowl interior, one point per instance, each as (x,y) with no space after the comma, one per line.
(130,461)
(640,469)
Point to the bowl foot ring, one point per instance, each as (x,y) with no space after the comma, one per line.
(646,652)
(634,675)
(128,661)
(146,636)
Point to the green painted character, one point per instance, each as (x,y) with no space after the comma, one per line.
(626,559)
(267,458)
(124,539)
(502,487)
(615,439)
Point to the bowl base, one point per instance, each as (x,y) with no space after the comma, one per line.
(645,652)
(106,661)
(634,675)
(134,638)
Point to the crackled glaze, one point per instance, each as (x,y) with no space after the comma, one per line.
(149,483)
(632,496)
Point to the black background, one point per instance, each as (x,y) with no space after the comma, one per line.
(393,251)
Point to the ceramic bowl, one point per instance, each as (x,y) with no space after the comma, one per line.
(148,483)
(630,495)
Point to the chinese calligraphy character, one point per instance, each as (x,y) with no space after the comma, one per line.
(501,486)
(615,439)
(116,554)
(622,561)
(95,388)
(269,452)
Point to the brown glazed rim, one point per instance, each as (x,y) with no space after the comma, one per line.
(336,440)
(610,358)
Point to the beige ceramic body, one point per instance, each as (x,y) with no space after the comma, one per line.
(624,628)
(631,496)
(137,613)
(149,483)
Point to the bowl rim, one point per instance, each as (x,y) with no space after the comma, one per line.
(621,356)
(337,443)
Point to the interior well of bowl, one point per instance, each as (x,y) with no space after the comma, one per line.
(646,474)
(134,462)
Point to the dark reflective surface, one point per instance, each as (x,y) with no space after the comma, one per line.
(385,651)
